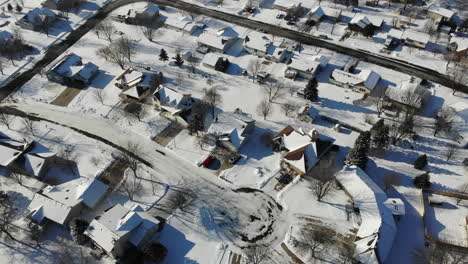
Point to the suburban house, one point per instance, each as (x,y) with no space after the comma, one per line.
(71,71)
(37,19)
(232,129)
(415,39)
(458,44)
(461,111)
(374,239)
(332,13)
(363,82)
(147,15)
(361,23)
(284,5)
(172,101)
(409,96)
(216,62)
(63,202)
(184,24)
(305,68)
(315,15)
(29,158)
(257,44)
(440,14)
(394,37)
(256,3)
(61,4)
(279,54)
(217,40)
(302,150)
(119,228)
(137,86)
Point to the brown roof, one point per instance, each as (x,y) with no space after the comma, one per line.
(286,131)
(296,154)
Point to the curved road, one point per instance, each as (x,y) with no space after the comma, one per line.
(55,51)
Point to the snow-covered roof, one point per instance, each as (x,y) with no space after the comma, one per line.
(257,41)
(304,148)
(65,67)
(89,191)
(363,21)
(43,207)
(35,158)
(178,22)
(211,59)
(304,65)
(462,43)
(416,36)
(171,99)
(231,124)
(396,206)
(34,15)
(400,94)
(8,155)
(377,230)
(317,11)
(308,110)
(395,33)
(87,70)
(217,38)
(285,3)
(444,12)
(367,78)
(151,10)
(119,221)
(331,12)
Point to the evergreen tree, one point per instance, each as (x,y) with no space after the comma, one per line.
(420,162)
(77,228)
(422,181)
(178,60)
(356,156)
(196,124)
(363,141)
(163,55)
(311,91)
(380,135)
(9,7)
(19,8)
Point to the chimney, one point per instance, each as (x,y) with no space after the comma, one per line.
(313,134)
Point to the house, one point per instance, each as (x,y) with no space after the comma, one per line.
(316,14)
(415,39)
(307,113)
(37,19)
(440,14)
(332,14)
(232,129)
(63,202)
(374,239)
(278,54)
(217,40)
(120,227)
(461,111)
(362,22)
(458,44)
(216,62)
(172,101)
(394,37)
(409,96)
(183,24)
(363,82)
(71,71)
(148,15)
(30,158)
(305,68)
(403,22)
(396,206)
(302,150)
(61,4)
(257,44)
(137,86)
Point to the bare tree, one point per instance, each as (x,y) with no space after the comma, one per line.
(179,79)
(444,120)
(100,95)
(401,128)
(127,47)
(130,157)
(452,149)
(254,67)
(130,185)
(288,109)
(148,30)
(72,254)
(181,199)
(273,90)
(313,241)
(106,29)
(322,180)
(14,173)
(95,161)
(438,254)
(114,54)
(45,23)
(458,77)
(391,179)
(264,108)
(257,254)
(7,216)
(34,233)
(381,103)
(213,97)
(346,255)
(5,119)
(30,126)
(203,139)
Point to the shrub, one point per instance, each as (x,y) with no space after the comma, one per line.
(420,162)
(422,181)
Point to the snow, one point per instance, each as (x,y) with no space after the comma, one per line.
(42,207)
